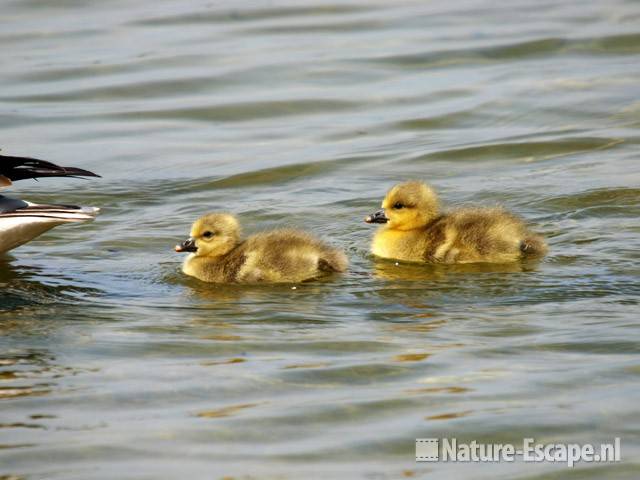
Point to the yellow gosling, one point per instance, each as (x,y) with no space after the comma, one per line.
(218,254)
(413,229)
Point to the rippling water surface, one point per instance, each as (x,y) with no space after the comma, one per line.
(114,365)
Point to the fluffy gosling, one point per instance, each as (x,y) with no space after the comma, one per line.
(218,254)
(415,230)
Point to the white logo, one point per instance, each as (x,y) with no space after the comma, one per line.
(430,450)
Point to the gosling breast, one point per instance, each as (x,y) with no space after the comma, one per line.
(279,256)
(465,236)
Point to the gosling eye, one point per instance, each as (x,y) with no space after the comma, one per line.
(207,234)
(398,205)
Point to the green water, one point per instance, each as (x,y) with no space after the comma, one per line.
(114,365)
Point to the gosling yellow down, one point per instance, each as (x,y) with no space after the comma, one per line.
(414,229)
(218,254)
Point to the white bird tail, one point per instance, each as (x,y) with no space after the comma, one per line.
(21,225)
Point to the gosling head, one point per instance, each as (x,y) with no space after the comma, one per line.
(212,235)
(407,206)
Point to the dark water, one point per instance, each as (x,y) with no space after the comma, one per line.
(114,365)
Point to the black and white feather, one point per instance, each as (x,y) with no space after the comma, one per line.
(22,221)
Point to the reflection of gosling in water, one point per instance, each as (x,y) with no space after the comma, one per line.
(219,255)
(415,230)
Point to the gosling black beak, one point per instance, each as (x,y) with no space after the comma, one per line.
(189,245)
(378,217)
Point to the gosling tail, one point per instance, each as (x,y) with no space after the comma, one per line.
(333,261)
(533,246)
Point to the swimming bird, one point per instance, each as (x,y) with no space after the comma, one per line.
(22,221)
(218,254)
(415,230)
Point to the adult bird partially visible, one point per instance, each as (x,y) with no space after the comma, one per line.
(22,221)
